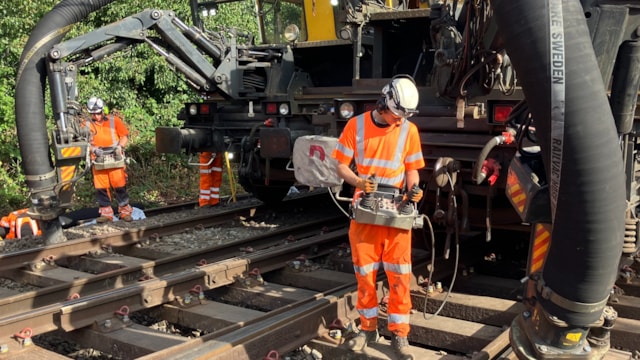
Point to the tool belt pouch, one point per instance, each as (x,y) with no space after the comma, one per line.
(381,208)
(108,161)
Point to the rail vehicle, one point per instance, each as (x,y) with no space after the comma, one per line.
(527,116)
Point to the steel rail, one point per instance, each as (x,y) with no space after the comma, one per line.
(173,285)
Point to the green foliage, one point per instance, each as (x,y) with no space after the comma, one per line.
(137,83)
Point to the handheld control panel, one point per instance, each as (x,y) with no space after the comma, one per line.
(386,209)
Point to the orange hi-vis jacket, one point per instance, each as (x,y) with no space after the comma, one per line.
(108,132)
(388,152)
(14,222)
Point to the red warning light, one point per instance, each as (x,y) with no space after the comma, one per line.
(501,113)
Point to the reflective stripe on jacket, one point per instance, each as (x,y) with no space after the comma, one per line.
(14,222)
(388,152)
(107,133)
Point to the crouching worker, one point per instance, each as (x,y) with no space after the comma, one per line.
(17,225)
(109,136)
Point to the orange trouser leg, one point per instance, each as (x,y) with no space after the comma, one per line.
(104,180)
(371,245)
(396,259)
(216,180)
(205,179)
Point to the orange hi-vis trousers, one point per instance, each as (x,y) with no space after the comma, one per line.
(104,180)
(371,245)
(210,179)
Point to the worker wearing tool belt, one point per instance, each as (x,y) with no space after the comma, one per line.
(109,136)
(384,143)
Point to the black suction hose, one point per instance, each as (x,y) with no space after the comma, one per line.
(30,87)
(549,44)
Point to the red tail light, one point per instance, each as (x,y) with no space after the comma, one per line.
(501,113)
(271,108)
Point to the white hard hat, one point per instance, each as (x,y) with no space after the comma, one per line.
(95,105)
(402,96)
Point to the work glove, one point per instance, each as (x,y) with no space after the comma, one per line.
(118,153)
(367,185)
(415,194)
(98,152)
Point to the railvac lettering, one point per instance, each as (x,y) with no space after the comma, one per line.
(556,165)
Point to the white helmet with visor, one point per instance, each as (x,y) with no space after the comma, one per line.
(401,96)
(95,105)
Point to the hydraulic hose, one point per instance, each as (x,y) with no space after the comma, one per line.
(29,104)
(30,87)
(478,176)
(579,143)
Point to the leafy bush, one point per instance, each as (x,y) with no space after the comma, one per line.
(137,82)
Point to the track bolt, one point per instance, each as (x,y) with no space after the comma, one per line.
(4,348)
(197,290)
(187,299)
(335,334)
(25,336)
(256,273)
(306,349)
(439,287)
(316,354)
(107,324)
(124,312)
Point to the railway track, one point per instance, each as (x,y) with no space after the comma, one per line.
(286,293)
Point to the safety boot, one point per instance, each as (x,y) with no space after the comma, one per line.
(360,341)
(104,219)
(400,346)
(125,213)
(106,214)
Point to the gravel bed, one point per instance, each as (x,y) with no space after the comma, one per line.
(191,239)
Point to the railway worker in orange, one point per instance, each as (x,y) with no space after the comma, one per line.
(210,179)
(18,224)
(109,136)
(387,153)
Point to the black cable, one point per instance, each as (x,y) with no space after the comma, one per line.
(455,268)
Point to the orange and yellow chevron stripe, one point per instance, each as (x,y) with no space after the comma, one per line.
(540,247)
(515,191)
(72,151)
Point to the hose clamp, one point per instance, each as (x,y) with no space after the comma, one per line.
(571,305)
